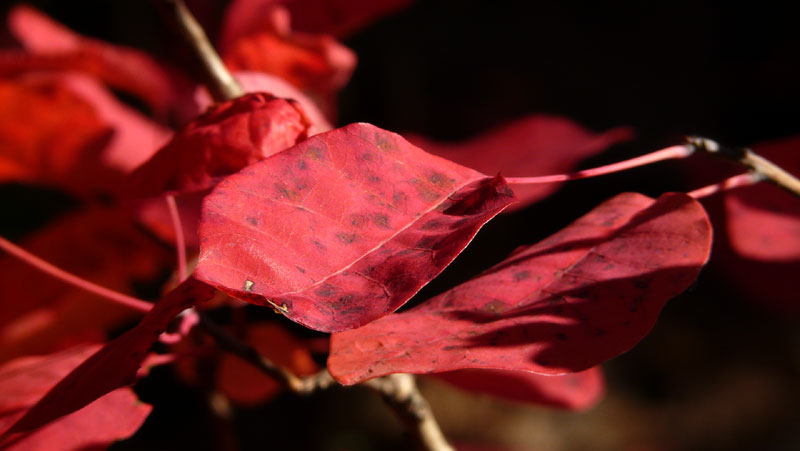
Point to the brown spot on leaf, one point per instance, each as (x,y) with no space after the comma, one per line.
(381,220)
(346,238)
(522,275)
(252,220)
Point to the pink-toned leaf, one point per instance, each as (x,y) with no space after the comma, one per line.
(40,314)
(226,138)
(54,47)
(271,84)
(114,416)
(343,228)
(575,391)
(528,147)
(116,364)
(570,302)
(316,64)
(337,17)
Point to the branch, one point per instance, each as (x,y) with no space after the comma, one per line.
(761,166)
(219,81)
(398,390)
(401,393)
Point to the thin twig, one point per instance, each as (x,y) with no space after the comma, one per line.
(746,179)
(220,82)
(401,393)
(71,279)
(681,151)
(398,390)
(746,157)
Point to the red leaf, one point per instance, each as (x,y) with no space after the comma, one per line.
(116,364)
(316,64)
(343,228)
(337,17)
(576,299)
(271,84)
(47,132)
(54,47)
(115,416)
(101,245)
(228,137)
(531,146)
(763,221)
(244,384)
(577,391)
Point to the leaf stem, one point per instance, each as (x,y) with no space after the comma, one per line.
(673,152)
(71,279)
(219,81)
(180,241)
(766,169)
(748,178)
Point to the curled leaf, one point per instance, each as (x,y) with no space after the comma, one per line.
(226,138)
(570,302)
(343,228)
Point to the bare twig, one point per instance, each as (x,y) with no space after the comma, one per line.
(746,157)
(401,393)
(398,390)
(219,81)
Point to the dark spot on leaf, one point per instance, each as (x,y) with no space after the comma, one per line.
(522,275)
(373,178)
(252,220)
(432,224)
(346,238)
(325,291)
(319,245)
(366,156)
(302,165)
(314,153)
(449,348)
(300,269)
(358,220)
(380,220)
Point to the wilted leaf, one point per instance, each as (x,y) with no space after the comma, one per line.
(570,302)
(577,391)
(343,228)
(54,47)
(226,138)
(116,364)
(243,383)
(41,314)
(115,416)
(276,86)
(316,64)
(531,146)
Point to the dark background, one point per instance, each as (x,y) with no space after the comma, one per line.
(718,372)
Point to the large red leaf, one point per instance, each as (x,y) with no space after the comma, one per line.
(343,228)
(226,138)
(337,17)
(531,146)
(116,364)
(578,298)
(576,391)
(316,64)
(40,314)
(54,47)
(115,416)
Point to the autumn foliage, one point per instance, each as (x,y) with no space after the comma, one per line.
(336,229)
